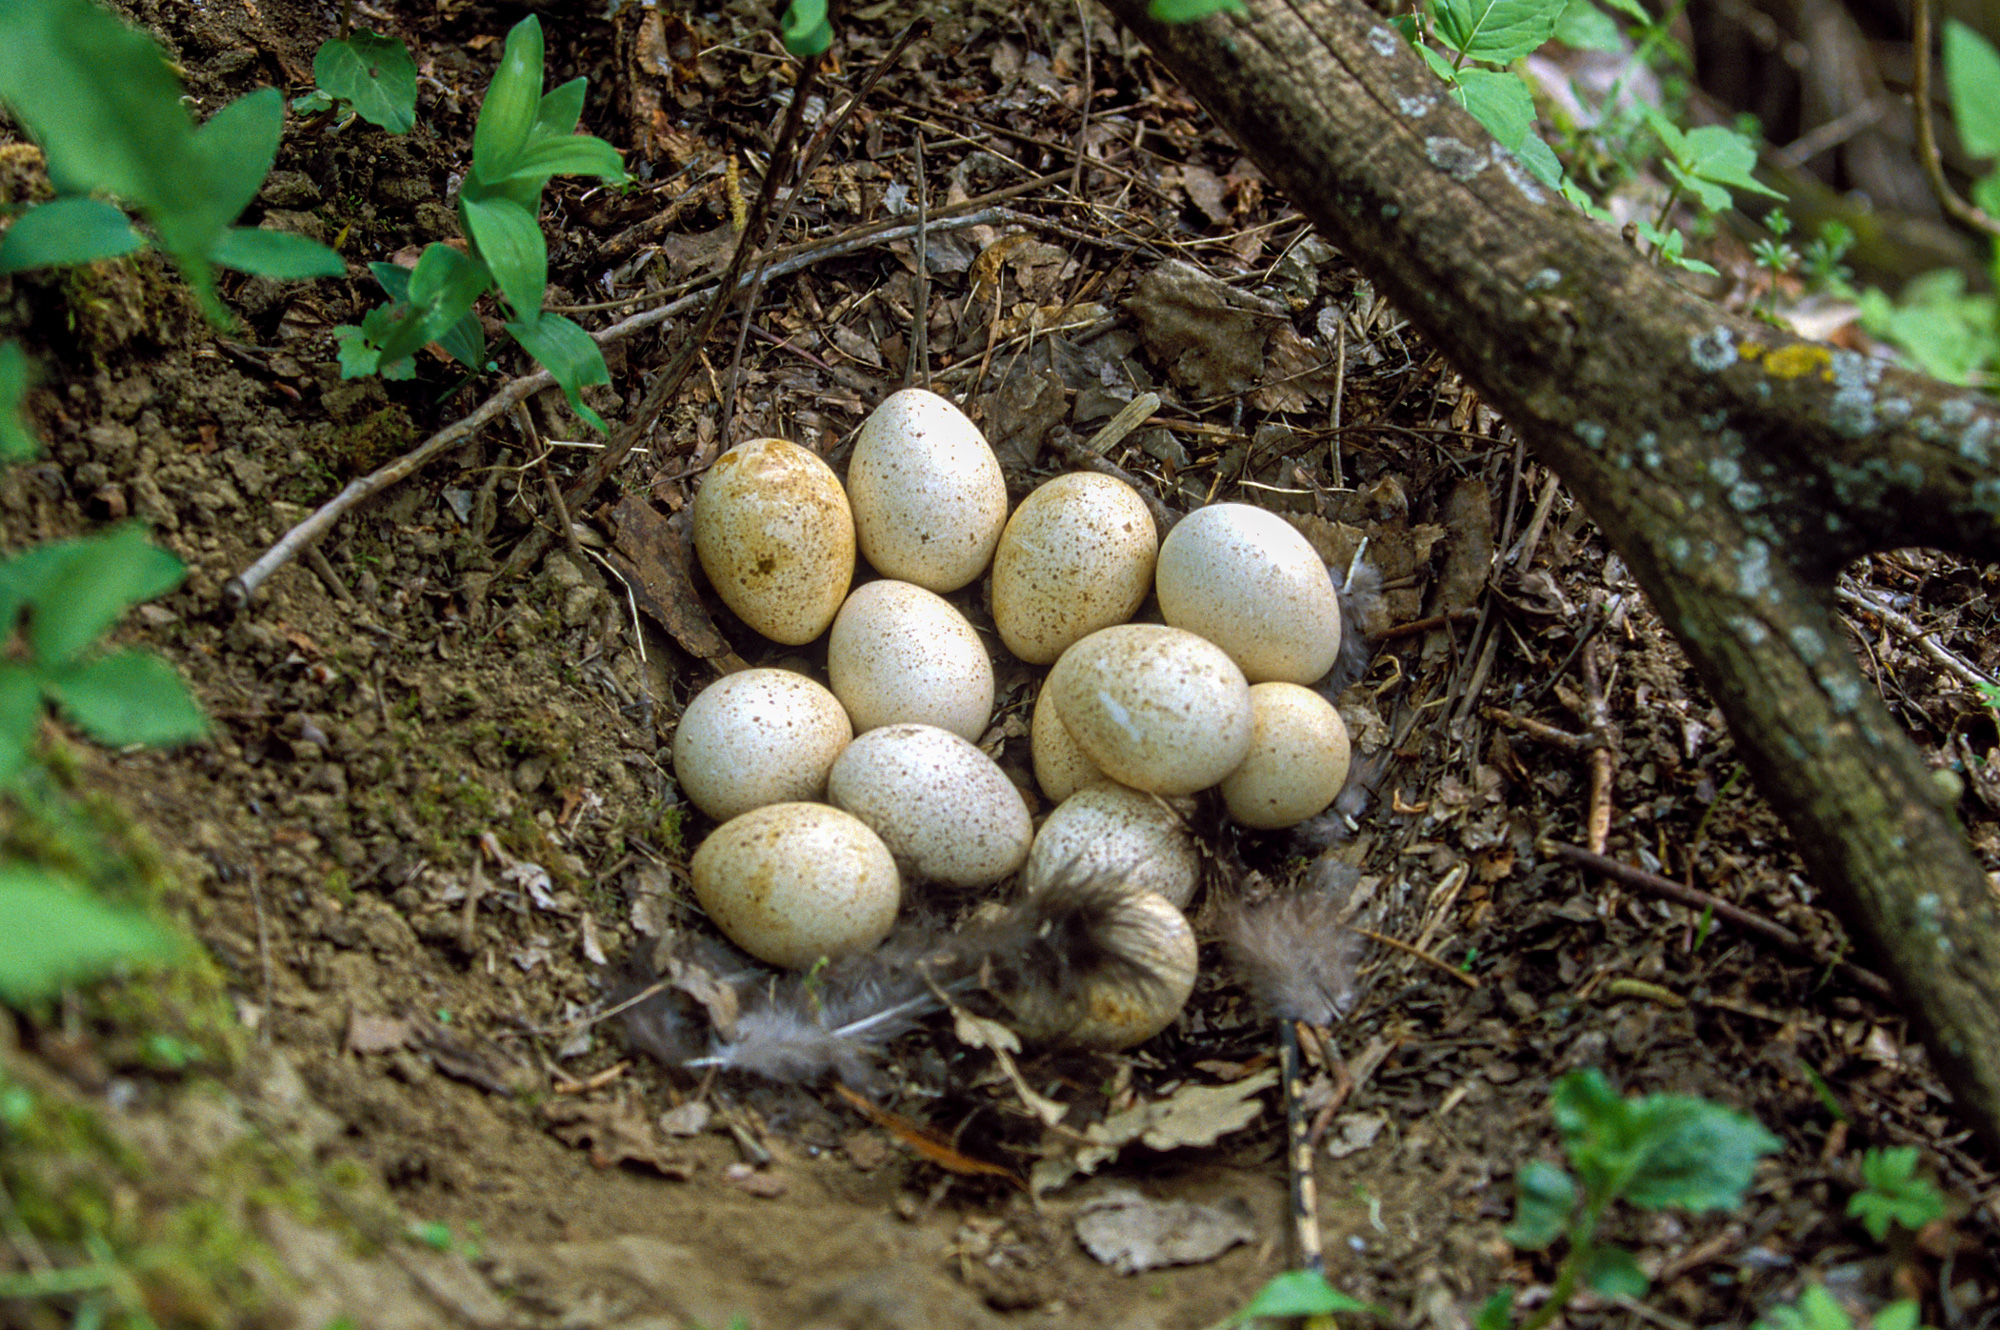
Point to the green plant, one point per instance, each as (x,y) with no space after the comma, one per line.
(370,75)
(1296,1294)
(1481,39)
(1653,1152)
(1816,1310)
(523,138)
(17,441)
(1893,1193)
(105,106)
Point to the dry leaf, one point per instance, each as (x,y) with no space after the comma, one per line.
(1130,1232)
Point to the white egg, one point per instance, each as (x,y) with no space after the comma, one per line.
(1157,708)
(1109,827)
(1246,580)
(790,883)
(1061,768)
(944,808)
(774,534)
(1114,1008)
(1298,758)
(1076,556)
(900,653)
(928,496)
(758,737)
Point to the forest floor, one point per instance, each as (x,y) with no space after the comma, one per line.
(437,808)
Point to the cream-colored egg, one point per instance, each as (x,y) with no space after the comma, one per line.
(792,882)
(900,653)
(928,496)
(1076,556)
(944,808)
(758,737)
(1298,758)
(1117,1007)
(1246,580)
(1061,768)
(1156,708)
(1110,827)
(776,538)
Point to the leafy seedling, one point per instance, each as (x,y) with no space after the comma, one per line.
(1817,1310)
(53,933)
(1655,1152)
(1298,1294)
(17,440)
(106,108)
(64,596)
(1893,1193)
(370,75)
(523,139)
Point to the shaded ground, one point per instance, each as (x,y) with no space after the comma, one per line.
(438,805)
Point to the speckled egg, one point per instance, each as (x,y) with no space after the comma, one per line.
(1246,580)
(928,496)
(900,653)
(1156,708)
(1076,556)
(775,536)
(943,807)
(758,737)
(792,882)
(1109,827)
(1061,768)
(1298,758)
(1119,1006)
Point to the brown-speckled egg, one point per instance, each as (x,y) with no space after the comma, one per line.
(774,534)
(1061,768)
(758,737)
(1298,758)
(943,807)
(792,882)
(1108,827)
(900,653)
(1076,556)
(1156,708)
(928,496)
(1246,580)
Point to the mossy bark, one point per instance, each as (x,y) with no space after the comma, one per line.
(1735,467)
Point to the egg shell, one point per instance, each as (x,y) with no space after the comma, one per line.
(1061,768)
(900,653)
(758,737)
(774,534)
(1156,708)
(928,496)
(1246,580)
(792,882)
(1298,758)
(1076,556)
(1113,1011)
(1110,827)
(943,807)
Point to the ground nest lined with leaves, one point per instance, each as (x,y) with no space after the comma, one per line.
(437,810)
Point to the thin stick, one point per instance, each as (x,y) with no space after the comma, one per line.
(1303,1186)
(917,364)
(1541,731)
(1928,155)
(1444,967)
(1908,629)
(1696,899)
(1603,753)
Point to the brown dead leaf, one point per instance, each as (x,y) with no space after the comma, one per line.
(1468,515)
(368,1033)
(1298,374)
(925,1141)
(1130,1232)
(614,1133)
(653,557)
(1207,335)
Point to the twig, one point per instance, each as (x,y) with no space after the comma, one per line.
(1415,626)
(1302,1184)
(1696,899)
(917,357)
(1541,731)
(237,591)
(1910,630)
(1445,967)
(1603,753)
(1927,147)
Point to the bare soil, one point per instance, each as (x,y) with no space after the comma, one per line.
(438,809)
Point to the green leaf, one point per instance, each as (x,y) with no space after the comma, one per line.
(92,583)
(1972,75)
(1713,155)
(20,711)
(567,352)
(17,437)
(1894,1193)
(1585,27)
(312,103)
(1497,31)
(1614,1272)
(569,154)
(1497,1312)
(465,342)
(100,98)
(53,933)
(1499,101)
(235,149)
(374,74)
(129,697)
(1299,1293)
(65,231)
(1545,1200)
(359,357)
(278,254)
(510,244)
(557,114)
(1440,65)
(806,30)
(1187,11)
(1986,194)
(1901,1314)
(1950,333)
(1660,1150)
(439,292)
(511,101)
(1633,10)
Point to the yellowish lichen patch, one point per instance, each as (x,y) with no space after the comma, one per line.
(1798,360)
